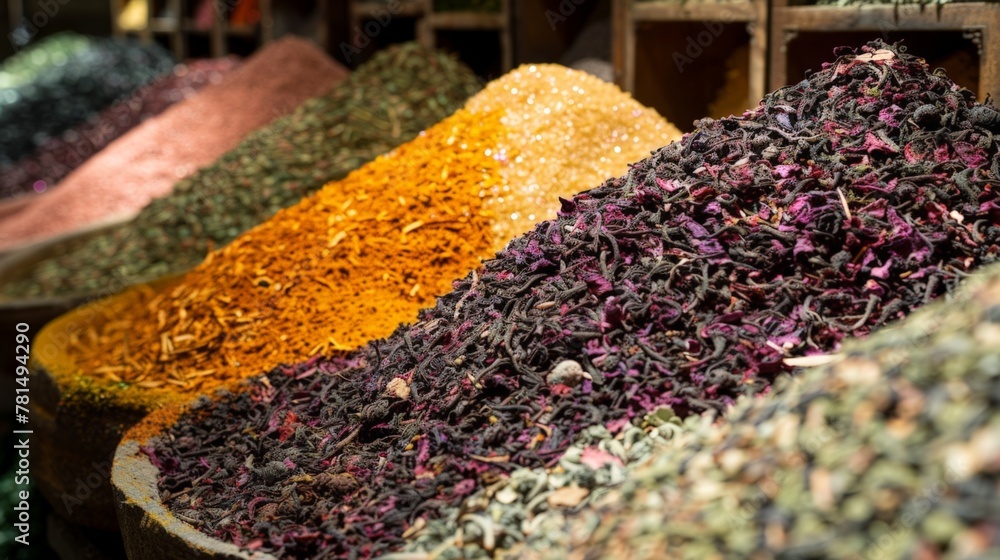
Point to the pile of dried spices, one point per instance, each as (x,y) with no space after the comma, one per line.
(528,510)
(893,451)
(362,255)
(148,160)
(63,95)
(387,101)
(58,156)
(25,65)
(838,205)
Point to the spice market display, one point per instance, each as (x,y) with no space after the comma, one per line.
(317,280)
(59,155)
(342,267)
(64,93)
(147,161)
(751,247)
(450,197)
(385,102)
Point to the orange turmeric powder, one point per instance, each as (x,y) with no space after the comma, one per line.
(364,254)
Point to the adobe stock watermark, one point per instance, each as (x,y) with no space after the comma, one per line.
(378,20)
(697,43)
(29,26)
(566,9)
(87,485)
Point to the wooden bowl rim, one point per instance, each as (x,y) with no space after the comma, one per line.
(134,476)
(14,262)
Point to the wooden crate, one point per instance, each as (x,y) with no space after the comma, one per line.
(628,15)
(977,22)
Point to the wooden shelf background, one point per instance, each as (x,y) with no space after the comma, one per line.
(772,27)
(628,15)
(179,28)
(430,22)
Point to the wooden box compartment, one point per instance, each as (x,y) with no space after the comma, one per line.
(694,59)
(960,37)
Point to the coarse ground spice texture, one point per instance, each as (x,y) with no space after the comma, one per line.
(58,156)
(364,254)
(61,96)
(387,101)
(148,160)
(838,205)
(891,452)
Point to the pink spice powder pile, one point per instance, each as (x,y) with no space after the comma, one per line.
(147,161)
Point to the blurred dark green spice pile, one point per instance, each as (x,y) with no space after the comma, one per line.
(838,205)
(893,451)
(63,95)
(386,102)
